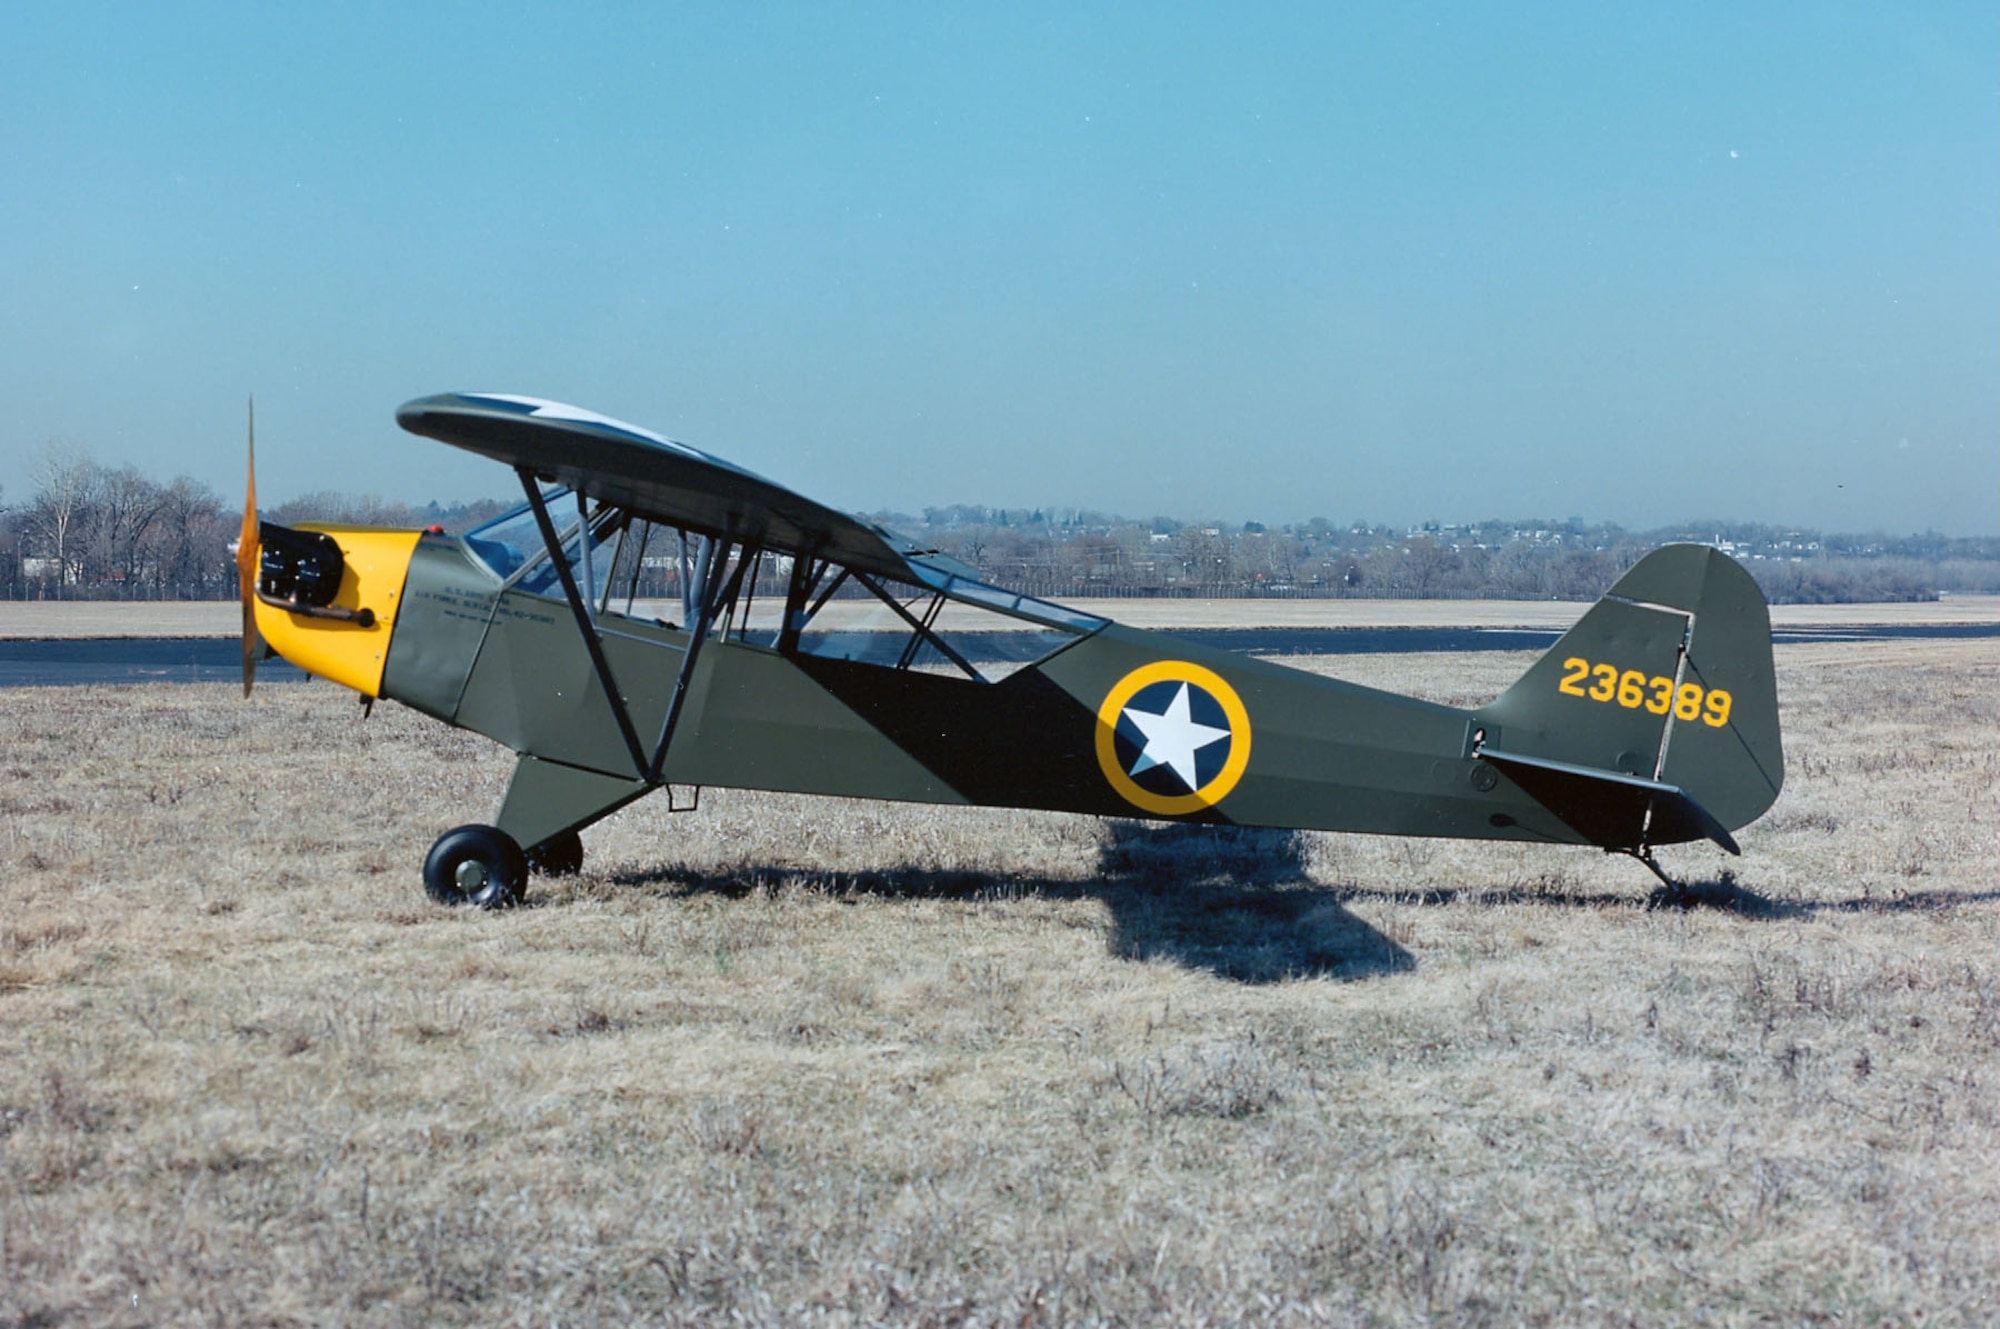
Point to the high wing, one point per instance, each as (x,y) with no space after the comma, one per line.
(661,480)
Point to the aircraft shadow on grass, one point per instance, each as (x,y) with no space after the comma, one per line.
(1722,892)
(1238,901)
(1235,901)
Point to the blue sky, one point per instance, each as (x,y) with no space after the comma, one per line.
(1245,262)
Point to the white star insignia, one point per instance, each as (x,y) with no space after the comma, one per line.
(1173,738)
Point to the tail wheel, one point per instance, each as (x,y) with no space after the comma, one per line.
(561,855)
(476,865)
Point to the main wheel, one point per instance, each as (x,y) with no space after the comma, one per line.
(477,865)
(561,855)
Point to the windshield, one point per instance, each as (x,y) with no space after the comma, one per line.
(513,548)
(506,543)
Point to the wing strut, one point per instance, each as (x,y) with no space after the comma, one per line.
(581,611)
(806,572)
(712,569)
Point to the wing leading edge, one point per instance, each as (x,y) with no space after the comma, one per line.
(661,480)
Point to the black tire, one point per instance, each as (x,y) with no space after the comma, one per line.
(476,865)
(561,855)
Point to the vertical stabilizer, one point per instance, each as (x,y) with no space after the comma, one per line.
(1655,718)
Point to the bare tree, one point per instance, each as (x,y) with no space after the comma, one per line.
(1204,558)
(187,545)
(66,487)
(127,504)
(10,550)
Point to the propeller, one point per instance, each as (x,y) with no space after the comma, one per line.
(246,561)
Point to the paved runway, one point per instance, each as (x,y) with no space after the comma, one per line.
(79,661)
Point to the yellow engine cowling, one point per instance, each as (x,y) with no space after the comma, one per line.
(349,645)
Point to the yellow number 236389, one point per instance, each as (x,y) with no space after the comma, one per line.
(1632,689)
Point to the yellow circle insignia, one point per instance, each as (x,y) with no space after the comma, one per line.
(1172,738)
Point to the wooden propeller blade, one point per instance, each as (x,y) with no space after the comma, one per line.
(246,560)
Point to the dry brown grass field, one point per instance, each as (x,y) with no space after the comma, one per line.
(791,1060)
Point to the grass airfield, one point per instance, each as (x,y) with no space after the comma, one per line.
(803,1060)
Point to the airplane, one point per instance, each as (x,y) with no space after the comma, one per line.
(654,616)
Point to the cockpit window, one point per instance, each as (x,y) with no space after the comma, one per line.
(508,542)
(936,622)
(900,625)
(1023,606)
(591,574)
(513,548)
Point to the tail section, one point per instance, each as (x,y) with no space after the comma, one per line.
(1655,719)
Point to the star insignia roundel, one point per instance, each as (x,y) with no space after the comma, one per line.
(1172,738)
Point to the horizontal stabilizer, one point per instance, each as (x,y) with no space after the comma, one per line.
(1611,808)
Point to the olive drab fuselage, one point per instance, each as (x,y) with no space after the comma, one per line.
(1321,754)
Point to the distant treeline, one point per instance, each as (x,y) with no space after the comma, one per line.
(99,532)
(96,532)
(1079,553)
